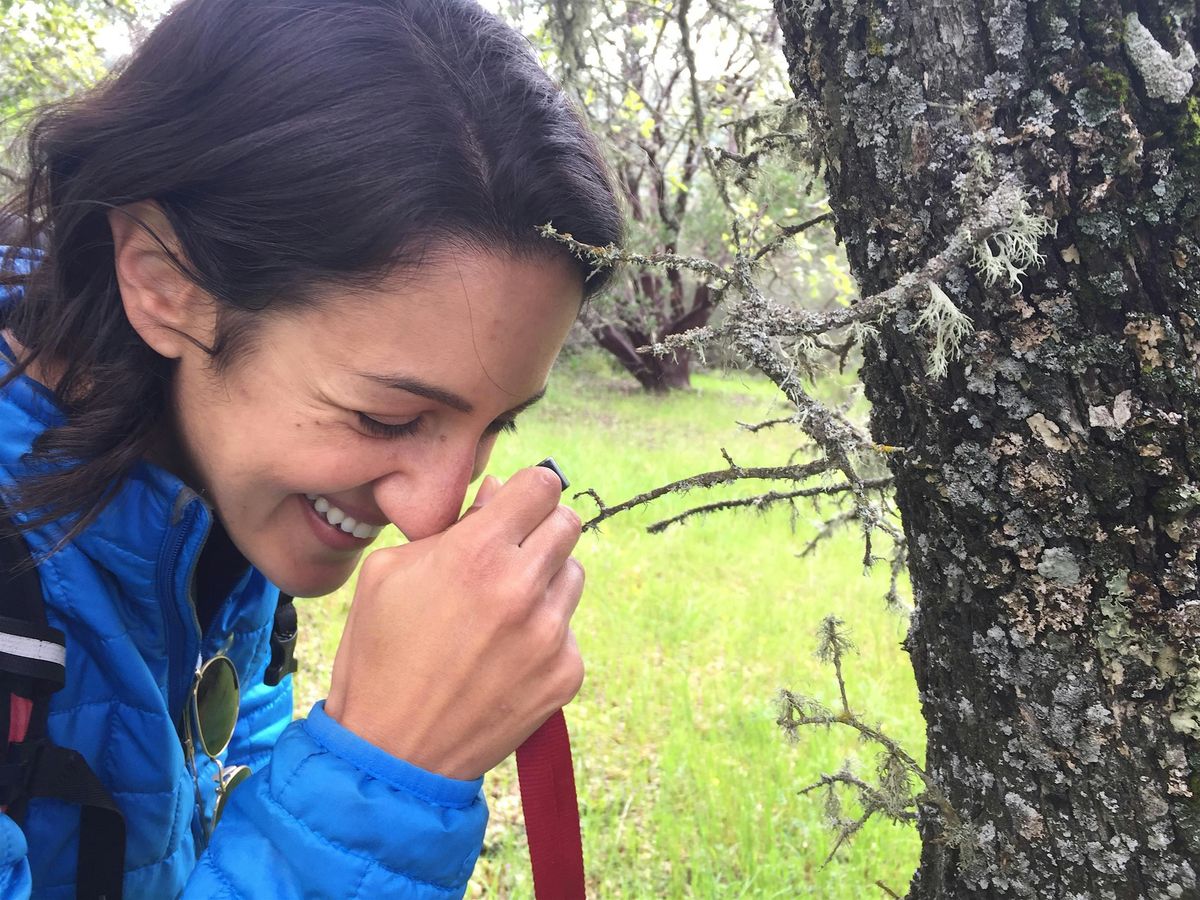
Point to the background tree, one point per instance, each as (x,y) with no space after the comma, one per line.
(51,48)
(665,84)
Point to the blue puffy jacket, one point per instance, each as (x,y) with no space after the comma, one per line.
(325,814)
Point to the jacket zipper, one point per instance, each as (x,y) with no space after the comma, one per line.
(183,642)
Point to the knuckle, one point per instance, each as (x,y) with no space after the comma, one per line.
(484,568)
(547,631)
(570,679)
(577,571)
(570,519)
(516,597)
(483,559)
(373,570)
(511,608)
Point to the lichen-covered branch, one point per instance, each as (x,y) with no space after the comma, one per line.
(892,796)
(706,480)
(763,501)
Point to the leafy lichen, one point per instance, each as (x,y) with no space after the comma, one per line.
(1166,77)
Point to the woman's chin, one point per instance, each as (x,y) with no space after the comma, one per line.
(307,578)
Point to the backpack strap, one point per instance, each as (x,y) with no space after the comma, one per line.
(283,642)
(32,667)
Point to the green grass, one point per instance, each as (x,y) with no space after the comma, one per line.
(687,786)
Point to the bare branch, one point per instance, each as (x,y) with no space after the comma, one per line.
(769,423)
(706,480)
(762,501)
(787,232)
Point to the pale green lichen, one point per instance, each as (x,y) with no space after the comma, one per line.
(1120,643)
(1012,251)
(1166,77)
(949,326)
(1059,564)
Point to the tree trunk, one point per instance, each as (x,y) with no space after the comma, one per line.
(1049,488)
(656,374)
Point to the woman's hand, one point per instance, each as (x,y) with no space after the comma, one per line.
(458,647)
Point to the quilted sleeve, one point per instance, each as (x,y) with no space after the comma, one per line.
(15,881)
(331,815)
(263,714)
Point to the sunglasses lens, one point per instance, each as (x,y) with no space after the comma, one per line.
(231,777)
(217,704)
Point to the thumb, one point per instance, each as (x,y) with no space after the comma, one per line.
(487,490)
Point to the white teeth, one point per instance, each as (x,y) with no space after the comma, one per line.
(338,518)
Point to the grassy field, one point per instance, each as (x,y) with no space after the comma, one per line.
(687,786)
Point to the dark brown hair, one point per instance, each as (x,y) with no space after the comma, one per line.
(290,143)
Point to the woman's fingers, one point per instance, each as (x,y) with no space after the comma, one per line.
(549,545)
(566,588)
(487,490)
(517,508)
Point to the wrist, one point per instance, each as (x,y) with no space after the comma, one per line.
(383,736)
(384,766)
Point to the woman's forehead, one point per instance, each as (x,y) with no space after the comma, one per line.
(466,317)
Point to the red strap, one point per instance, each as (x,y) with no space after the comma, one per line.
(551,811)
(20,712)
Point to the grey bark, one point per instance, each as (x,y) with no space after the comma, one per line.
(1050,492)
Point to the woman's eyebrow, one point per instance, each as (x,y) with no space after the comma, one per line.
(440,395)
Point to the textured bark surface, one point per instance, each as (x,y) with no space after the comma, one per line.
(1050,491)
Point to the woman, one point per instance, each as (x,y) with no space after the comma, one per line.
(292,289)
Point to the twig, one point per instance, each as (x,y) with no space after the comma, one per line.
(789,231)
(769,423)
(828,527)
(705,480)
(762,501)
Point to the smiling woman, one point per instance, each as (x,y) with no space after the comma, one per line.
(289,288)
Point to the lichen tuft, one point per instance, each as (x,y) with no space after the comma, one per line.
(949,326)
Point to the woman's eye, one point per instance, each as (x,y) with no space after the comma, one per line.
(386,430)
(507,425)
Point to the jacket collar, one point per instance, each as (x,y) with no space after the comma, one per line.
(150,513)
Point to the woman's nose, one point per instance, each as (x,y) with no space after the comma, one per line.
(428,499)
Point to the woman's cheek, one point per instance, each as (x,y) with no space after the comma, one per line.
(482,455)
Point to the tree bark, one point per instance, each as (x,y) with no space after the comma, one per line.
(1049,488)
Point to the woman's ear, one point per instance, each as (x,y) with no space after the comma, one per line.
(162,304)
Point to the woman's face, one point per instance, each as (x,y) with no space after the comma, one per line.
(377,406)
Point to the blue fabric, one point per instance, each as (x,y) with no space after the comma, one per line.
(325,814)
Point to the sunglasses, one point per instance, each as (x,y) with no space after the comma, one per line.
(208,723)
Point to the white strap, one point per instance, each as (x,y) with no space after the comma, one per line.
(32,648)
